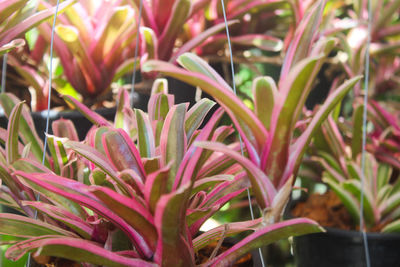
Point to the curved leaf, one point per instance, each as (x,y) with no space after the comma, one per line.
(265,236)
(74,249)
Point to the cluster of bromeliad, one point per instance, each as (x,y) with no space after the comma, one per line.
(136,191)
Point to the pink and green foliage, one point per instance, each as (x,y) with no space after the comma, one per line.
(385,139)
(93,40)
(257,20)
(135,192)
(384,47)
(17,17)
(338,150)
(268,132)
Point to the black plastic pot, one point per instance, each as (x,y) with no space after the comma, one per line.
(344,248)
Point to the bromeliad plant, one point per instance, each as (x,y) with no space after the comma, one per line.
(340,158)
(383,50)
(135,192)
(385,137)
(92,42)
(269,132)
(17,17)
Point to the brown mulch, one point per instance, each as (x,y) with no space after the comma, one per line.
(326,209)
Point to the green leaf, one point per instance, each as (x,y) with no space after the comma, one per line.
(75,249)
(21,226)
(27,130)
(264,236)
(354,187)
(13,130)
(196,115)
(346,198)
(146,142)
(173,141)
(171,225)
(265,93)
(393,227)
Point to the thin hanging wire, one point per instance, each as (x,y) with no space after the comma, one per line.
(50,81)
(48,106)
(3,73)
(364,136)
(234,90)
(136,53)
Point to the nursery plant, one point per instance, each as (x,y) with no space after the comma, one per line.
(269,132)
(135,192)
(352,28)
(340,158)
(17,17)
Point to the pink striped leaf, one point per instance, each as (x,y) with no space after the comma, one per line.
(81,194)
(12,153)
(250,137)
(275,155)
(217,89)
(122,103)
(76,223)
(298,148)
(92,116)
(196,115)
(65,128)
(31,21)
(225,230)
(177,17)
(130,210)
(98,160)
(265,95)
(75,249)
(159,105)
(221,193)
(219,164)
(195,157)
(264,236)
(122,152)
(22,226)
(134,180)
(156,186)
(261,185)
(173,141)
(7,8)
(146,142)
(57,199)
(303,38)
(27,131)
(209,182)
(8,179)
(199,39)
(170,221)
(58,153)
(219,197)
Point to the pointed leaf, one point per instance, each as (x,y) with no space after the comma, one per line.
(265,236)
(196,115)
(265,94)
(74,249)
(22,226)
(171,226)
(173,141)
(261,185)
